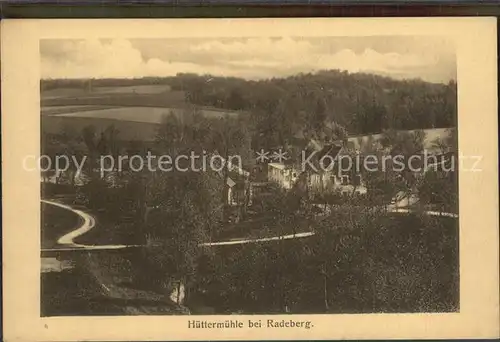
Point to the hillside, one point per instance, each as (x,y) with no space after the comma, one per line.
(127,130)
(281,108)
(132,123)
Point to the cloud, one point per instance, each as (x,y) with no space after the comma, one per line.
(252,58)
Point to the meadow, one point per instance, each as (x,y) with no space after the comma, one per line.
(62,92)
(127,130)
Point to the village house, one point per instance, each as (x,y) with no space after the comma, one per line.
(283,175)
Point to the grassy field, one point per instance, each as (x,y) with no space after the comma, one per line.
(137,89)
(128,130)
(132,123)
(135,111)
(141,114)
(166,99)
(133,114)
(55,110)
(72,293)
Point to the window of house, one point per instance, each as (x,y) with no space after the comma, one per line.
(345,180)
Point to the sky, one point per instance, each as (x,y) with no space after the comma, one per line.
(429,58)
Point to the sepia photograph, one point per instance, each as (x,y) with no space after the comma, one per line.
(250,179)
(249,176)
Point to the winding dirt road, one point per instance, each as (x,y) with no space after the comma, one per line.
(243,241)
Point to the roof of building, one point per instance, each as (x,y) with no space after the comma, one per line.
(279,166)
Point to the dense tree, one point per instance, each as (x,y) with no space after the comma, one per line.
(440,188)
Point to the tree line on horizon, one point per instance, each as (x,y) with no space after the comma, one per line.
(172,213)
(283,109)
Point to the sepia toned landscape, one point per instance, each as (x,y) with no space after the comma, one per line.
(298,223)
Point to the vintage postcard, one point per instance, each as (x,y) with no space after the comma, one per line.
(250,179)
